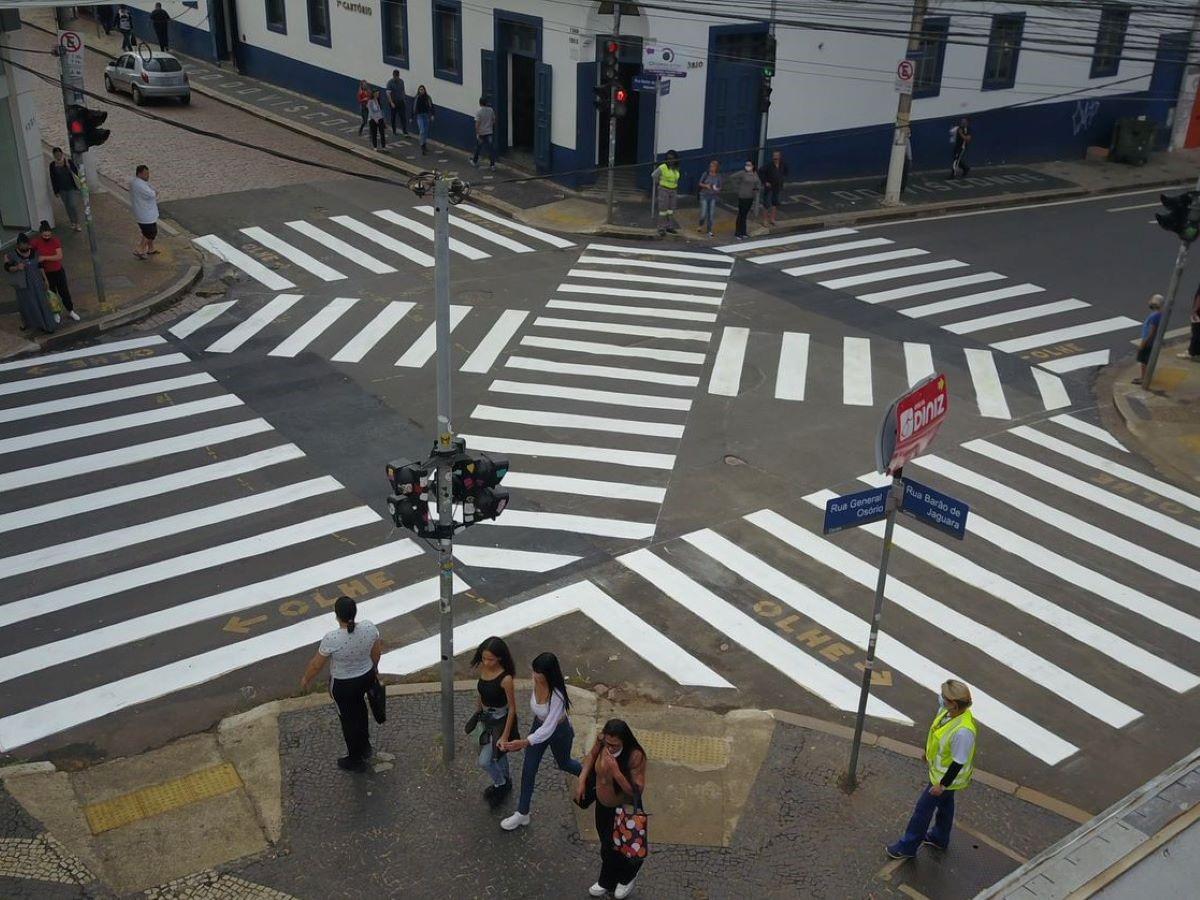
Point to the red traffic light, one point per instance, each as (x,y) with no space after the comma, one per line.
(612,46)
(622,96)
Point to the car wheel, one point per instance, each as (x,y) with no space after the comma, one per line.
(185,99)
(108,85)
(136,93)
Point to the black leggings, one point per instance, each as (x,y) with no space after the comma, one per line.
(615,868)
(744,204)
(399,112)
(350,695)
(378,133)
(58,284)
(363,109)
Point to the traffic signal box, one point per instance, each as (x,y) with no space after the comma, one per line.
(1181,215)
(83,126)
(475,489)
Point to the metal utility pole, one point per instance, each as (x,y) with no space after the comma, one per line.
(612,117)
(766,113)
(1172,290)
(903,111)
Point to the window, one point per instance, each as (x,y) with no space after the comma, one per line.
(394,22)
(1110,40)
(318,22)
(927,82)
(447,40)
(277,16)
(162,64)
(627,9)
(1004,45)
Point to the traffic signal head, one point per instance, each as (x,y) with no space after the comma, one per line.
(83,126)
(1181,215)
(620,100)
(769,57)
(603,94)
(407,477)
(764,95)
(611,51)
(411,514)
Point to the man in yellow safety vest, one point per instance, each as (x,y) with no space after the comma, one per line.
(666,182)
(950,753)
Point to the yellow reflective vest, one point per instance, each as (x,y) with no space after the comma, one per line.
(937,748)
(667,177)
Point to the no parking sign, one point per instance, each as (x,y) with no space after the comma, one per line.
(906,70)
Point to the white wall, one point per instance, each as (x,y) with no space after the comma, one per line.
(194,18)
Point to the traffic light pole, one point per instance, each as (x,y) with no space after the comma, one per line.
(895,174)
(1172,290)
(765,116)
(612,121)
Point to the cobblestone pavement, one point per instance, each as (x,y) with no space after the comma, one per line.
(33,865)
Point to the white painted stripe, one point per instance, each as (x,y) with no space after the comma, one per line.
(929,287)
(1078,361)
(686,315)
(116,395)
(989,393)
(618,398)
(793,366)
(1053,391)
(668,254)
(546,365)
(488,234)
(969,300)
(585,487)
(775,650)
(484,356)
(679,356)
(726,377)
(1075,527)
(786,239)
(153,487)
(337,245)
(636,458)
(639,278)
(293,254)
(677,334)
(614,528)
(259,320)
(1135,206)
(519,227)
(570,420)
(200,318)
(1059,335)
(1026,734)
(864,259)
(425,346)
(110,459)
(252,267)
(1088,429)
(720,272)
(889,274)
(50,359)
(1007,652)
(373,332)
(856,372)
(824,250)
(420,228)
(363,230)
(918,361)
(47,381)
(606,291)
(299,339)
(510,559)
(117,423)
(1011,317)
(185,564)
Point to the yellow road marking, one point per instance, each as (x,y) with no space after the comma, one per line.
(160,798)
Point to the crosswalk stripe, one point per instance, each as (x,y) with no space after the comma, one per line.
(864,259)
(252,267)
(823,250)
(425,346)
(772,648)
(488,234)
(153,487)
(1060,335)
(420,228)
(124,456)
(989,392)
(154,416)
(720,272)
(856,372)
(677,334)
(599,349)
(1071,525)
(293,254)
(619,374)
(593,525)
(124,368)
(337,245)
(200,318)
(1077,361)
(639,278)
(686,315)
(552,239)
(1011,317)
(299,339)
(484,356)
(507,558)
(574,420)
(99,398)
(786,239)
(260,319)
(849,281)
(969,300)
(1051,387)
(185,564)
(606,291)
(726,377)
(792,375)
(918,361)
(372,333)
(669,254)
(617,398)
(363,230)
(584,487)
(1007,652)
(640,459)
(1089,430)
(50,359)
(929,287)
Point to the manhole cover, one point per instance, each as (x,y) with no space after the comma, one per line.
(731,460)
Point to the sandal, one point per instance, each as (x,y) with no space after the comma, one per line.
(151,252)
(139,255)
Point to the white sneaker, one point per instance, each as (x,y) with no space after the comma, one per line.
(513,822)
(624,890)
(74,315)
(596,891)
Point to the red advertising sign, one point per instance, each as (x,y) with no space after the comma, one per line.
(911,423)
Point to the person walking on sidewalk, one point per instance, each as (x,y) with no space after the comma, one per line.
(710,190)
(496,712)
(551,728)
(950,754)
(364,97)
(143,200)
(666,184)
(1193,350)
(64,180)
(397,101)
(125,27)
(352,651)
(485,126)
(50,252)
(960,138)
(615,770)
(772,175)
(1149,330)
(747,185)
(161,21)
(378,122)
(423,113)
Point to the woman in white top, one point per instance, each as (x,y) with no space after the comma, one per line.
(352,651)
(378,124)
(551,728)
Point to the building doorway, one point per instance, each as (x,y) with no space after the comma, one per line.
(522,90)
(735,76)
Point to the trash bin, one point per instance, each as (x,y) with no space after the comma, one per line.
(1132,140)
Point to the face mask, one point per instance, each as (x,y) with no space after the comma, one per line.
(618,753)
(749,168)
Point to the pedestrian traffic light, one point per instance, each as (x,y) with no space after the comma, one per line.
(611,50)
(408,504)
(620,98)
(764,95)
(474,487)
(83,127)
(603,97)
(1181,215)
(769,57)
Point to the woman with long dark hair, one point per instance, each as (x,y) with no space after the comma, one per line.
(496,710)
(551,728)
(423,112)
(617,767)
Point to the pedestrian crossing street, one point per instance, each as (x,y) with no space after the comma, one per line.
(345,246)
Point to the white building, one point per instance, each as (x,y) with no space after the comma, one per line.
(24,185)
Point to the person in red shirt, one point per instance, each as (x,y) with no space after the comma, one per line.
(50,252)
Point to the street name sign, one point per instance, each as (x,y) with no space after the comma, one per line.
(911,423)
(645,82)
(933,508)
(860,508)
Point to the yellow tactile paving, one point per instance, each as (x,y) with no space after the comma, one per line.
(686,749)
(159,798)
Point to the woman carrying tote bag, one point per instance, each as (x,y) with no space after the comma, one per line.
(616,769)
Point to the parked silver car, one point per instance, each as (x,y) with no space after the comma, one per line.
(158,75)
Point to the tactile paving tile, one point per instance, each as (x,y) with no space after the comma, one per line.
(159,798)
(686,749)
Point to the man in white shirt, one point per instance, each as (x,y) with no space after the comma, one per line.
(144,200)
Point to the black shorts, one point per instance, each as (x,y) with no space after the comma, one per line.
(149,232)
(1143,354)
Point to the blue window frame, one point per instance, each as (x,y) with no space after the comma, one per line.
(1004,47)
(447,40)
(393,23)
(318,22)
(276,11)
(1110,40)
(927,81)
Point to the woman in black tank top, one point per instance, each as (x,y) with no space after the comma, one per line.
(495,719)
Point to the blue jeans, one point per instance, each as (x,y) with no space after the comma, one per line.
(423,127)
(560,745)
(485,140)
(708,208)
(497,769)
(918,826)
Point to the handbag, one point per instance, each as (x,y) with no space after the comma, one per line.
(377,700)
(631,831)
(55,302)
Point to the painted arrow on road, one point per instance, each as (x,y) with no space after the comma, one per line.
(238,625)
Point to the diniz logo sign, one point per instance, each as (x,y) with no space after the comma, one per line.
(911,423)
(918,417)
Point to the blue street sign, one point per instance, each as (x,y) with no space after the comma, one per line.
(856,509)
(645,82)
(935,508)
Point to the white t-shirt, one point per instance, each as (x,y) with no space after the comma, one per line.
(550,713)
(144,200)
(350,653)
(961,743)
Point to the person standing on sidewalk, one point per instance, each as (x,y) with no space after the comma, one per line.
(50,252)
(710,190)
(496,711)
(377,121)
(64,180)
(485,126)
(398,101)
(161,21)
(28,280)
(950,753)
(747,185)
(143,199)
(551,728)
(772,175)
(1149,330)
(666,183)
(125,27)
(364,97)
(1193,350)
(960,137)
(423,113)
(616,770)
